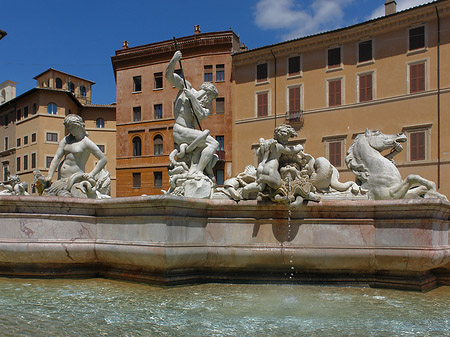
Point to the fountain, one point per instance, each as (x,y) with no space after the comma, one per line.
(290,220)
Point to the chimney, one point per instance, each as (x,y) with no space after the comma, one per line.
(390,7)
(197,29)
(125,45)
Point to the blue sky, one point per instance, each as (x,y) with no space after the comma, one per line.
(80,37)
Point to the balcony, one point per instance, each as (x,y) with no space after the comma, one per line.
(295,118)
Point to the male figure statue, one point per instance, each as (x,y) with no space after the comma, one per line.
(185,134)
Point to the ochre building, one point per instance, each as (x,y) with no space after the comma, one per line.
(145,102)
(390,73)
(31,125)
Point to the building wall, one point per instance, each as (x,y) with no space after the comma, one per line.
(145,61)
(392,109)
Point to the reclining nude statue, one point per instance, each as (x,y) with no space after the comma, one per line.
(286,174)
(70,160)
(379,175)
(13,186)
(192,162)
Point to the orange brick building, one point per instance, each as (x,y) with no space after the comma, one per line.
(145,106)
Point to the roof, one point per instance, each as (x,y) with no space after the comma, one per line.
(340,29)
(29,92)
(62,72)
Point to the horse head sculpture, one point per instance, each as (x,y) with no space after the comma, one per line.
(378,174)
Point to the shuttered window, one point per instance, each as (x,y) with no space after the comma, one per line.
(417,77)
(365,87)
(334,92)
(417,145)
(334,153)
(262,104)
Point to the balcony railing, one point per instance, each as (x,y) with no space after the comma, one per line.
(295,117)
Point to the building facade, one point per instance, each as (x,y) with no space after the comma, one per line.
(145,102)
(390,73)
(32,125)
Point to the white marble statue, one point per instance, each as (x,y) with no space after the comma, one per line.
(194,158)
(379,175)
(287,175)
(13,186)
(70,160)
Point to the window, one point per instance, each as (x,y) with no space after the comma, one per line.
(18,141)
(71,87)
(52,108)
(51,137)
(33,137)
(158,145)
(262,106)
(208,75)
(33,160)
(417,38)
(179,73)
(220,72)
(294,66)
(261,72)
(83,91)
(100,123)
(18,164)
(34,108)
(334,92)
(334,148)
(365,87)
(158,80)
(25,111)
(157,179)
(101,147)
(221,141)
(136,147)
(19,114)
(136,179)
(5,172)
(334,57)
(25,140)
(158,111)
(365,51)
(220,105)
(294,100)
(6,144)
(58,83)
(220,176)
(48,161)
(417,145)
(25,162)
(417,77)
(136,113)
(137,84)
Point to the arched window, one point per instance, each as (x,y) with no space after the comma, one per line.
(100,123)
(52,108)
(83,91)
(136,147)
(158,145)
(58,83)
(71,87)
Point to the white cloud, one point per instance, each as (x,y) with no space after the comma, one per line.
(401,5)
(298,20)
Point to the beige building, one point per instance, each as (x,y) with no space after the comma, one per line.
(32,125)
(389,73)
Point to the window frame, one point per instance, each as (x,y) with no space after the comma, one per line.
(300,72)
(257,93)
(337,66)
(358,53)
(220,69)
(136,180)
(262,81)
(100,123)
(358,85)
(208,70)
(408,39)
(333,140)
(135,110)
(155,173)
(155,110)
(158,81)
(47,133)
(137,85)
(136,150)
(220,99)
(327,83)
(426,62)
(288,97)
(52,105)
(158,148)
(426,129)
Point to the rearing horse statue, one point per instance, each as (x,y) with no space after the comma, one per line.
(379,175)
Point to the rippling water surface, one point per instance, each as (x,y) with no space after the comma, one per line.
(99,307)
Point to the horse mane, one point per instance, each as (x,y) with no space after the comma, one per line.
(359,170)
